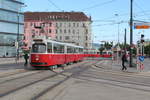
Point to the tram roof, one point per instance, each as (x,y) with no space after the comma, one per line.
(57,42)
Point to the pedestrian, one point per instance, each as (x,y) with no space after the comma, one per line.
(124,59)
(26,57)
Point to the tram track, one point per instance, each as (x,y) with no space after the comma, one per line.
(6,93)
(26,85)
(123,84)
(121,73)
(117,79)
(7,74)
(21,76)
(120,78)
(60,82)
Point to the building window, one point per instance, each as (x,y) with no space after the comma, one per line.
(64,30)
(33,31)
(50,30)
(77,24)
(66,37)
(78,37)
(83,24)
(86,31)
(86,37)
(69,25)
(33,35)
(60,31)
(69,31)
(60,37)
(78,31)
(56,24)
(31,24)
(74,24)
(60,25)
(73,31)
(50,24)
(56,30)
(86,44)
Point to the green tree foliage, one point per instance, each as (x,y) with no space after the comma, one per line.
(101,49)
(107,46)
(147,50)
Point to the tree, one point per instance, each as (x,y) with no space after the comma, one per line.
(147,50)
(107,46)
(101,49)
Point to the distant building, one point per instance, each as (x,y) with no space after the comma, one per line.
(71,27)
(11,23)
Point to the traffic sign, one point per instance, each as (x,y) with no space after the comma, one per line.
(142,25)
(141,58)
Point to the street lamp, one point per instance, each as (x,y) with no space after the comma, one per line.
(18,31)
(118,47)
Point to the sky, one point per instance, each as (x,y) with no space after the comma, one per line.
(110,17)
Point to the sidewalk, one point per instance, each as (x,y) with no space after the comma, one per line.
(117,65)
(10,61)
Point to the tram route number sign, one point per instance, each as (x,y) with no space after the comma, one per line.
(141,58)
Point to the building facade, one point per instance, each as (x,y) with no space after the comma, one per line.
(70,27)
(11,26)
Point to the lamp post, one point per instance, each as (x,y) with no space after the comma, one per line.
(118,47)
(18,31)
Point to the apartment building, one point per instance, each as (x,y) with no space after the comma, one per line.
(70,27)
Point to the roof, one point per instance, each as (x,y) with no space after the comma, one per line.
(57,16)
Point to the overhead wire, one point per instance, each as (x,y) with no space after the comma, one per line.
(98,5)
(108,19)
(111,23)
(55,5)
(136,4)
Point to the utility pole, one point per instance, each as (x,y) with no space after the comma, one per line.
(125,40)
(131,31)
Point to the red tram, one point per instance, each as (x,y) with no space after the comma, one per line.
(46,52)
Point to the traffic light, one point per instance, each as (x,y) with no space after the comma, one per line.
(142,38)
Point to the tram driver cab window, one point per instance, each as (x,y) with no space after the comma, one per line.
(39,48)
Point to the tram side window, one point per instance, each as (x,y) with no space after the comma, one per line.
(70,49)
(58,48)
(80,50)
(76,50)
(49,47)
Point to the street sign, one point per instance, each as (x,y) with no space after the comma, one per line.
(141,25)
(141,58)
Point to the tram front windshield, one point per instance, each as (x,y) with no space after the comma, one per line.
(38,48)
